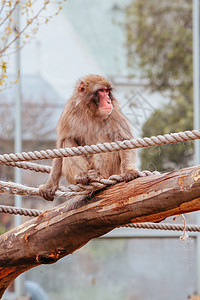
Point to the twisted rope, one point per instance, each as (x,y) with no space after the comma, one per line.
(20,189)
(20,211)
(71,190)
(105,147)
(29,166)
(164,226)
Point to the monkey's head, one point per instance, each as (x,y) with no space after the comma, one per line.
(95,95)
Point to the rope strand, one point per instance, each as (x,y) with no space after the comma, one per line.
(105,147)
(71,190)
(20,211)
(29,166)
(164,226)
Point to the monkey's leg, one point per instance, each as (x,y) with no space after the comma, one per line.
(79,170)
(47,190)
(128,169)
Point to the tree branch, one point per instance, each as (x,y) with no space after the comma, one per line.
(64,229)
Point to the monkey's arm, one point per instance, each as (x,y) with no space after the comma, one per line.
(128,169)
(47,190)
(74,169)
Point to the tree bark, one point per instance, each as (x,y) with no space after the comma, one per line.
(64,229)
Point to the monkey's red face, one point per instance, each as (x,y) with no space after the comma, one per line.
(95,93)
(105,103)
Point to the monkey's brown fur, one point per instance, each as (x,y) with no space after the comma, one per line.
(83,123)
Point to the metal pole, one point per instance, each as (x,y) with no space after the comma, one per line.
(196,77)
(19,282)
(196,109)
(18,130)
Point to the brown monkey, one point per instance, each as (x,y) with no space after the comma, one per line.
(91,116)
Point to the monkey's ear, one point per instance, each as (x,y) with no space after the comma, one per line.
(81,87)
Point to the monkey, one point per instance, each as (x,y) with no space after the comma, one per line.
(91,116)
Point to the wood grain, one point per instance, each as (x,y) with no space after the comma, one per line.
(64,229)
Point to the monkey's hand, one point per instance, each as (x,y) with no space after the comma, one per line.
(130,175)
(86,177)
(47,191)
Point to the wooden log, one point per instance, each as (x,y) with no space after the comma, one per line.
(66,228)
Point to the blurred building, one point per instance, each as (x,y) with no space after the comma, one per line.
(90,40)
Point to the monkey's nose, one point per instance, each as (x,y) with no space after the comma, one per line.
(108,100)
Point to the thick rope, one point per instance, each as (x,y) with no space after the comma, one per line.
(20,189)
(20,211)
(71,190)
(30,166)
(164,226)
(105,147)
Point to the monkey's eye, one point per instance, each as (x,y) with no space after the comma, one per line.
(104,90)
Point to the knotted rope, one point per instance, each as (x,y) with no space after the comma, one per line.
(71,190)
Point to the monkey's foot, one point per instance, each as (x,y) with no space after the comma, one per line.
(130,175)
(47,193)
(86,177)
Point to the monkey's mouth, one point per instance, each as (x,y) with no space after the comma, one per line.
(106,110)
